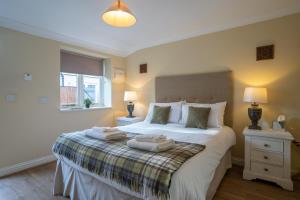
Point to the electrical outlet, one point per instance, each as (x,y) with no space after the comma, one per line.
(43,100)
(10,98)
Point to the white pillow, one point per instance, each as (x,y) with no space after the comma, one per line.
(175,112)
(216,114)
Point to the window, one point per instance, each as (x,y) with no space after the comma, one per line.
(91,88)
(68,89)
(83,77)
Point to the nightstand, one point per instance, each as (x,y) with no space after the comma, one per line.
(268,156)
(123,121)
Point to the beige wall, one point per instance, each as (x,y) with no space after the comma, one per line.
(28,129)
(233,50)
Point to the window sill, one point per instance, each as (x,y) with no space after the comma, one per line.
(83,109)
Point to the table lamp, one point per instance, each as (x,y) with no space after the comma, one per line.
(130,96)
(254,96)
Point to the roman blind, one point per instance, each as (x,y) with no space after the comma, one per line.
(80,64)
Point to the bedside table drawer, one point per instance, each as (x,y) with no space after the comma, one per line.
(267,144)
(267,157)
(265,169)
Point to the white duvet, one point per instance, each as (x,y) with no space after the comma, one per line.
(193,178)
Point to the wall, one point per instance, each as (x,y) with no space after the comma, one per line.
(28,129)
(233,50)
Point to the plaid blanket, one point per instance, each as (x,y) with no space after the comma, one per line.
(144,172)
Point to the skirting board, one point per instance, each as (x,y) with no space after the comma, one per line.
(26,165)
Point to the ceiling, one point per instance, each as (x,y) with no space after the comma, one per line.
(158,21)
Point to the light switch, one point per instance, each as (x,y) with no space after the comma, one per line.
(43,100)
(10,98)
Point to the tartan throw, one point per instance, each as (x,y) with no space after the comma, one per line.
(144,172)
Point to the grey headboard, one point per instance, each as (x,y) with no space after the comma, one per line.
(201,88)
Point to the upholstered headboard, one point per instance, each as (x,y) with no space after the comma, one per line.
(200,88)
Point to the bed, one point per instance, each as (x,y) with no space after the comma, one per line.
(199,177)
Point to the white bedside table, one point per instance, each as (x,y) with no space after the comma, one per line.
(268,156)
(123,121)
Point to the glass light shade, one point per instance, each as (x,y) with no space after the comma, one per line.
(130,96)
(255,95)
(119,15)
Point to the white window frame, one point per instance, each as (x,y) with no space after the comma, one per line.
(101,94)
(80,93)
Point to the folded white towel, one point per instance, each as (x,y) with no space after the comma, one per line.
(150,146)
(105,129)
(105,135)
(151,138)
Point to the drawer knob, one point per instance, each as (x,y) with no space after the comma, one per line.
(266,170)
(266,145)
(266,157)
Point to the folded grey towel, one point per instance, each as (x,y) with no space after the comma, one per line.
(151,146)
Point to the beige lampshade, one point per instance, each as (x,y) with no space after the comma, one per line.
(255,95)
(130,96)
(119,15)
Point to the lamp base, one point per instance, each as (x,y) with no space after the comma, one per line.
(254,114)
(254,127)
(130,108)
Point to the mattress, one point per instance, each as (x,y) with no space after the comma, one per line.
(192,180)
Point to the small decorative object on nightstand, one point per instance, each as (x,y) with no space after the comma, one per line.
(268,156)
(123,121)
(130,96)
(279,124)
(254,96)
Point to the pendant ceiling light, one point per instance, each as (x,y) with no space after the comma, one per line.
(119,15)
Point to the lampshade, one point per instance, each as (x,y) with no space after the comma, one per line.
(130,96)
(255,95)
(119,15)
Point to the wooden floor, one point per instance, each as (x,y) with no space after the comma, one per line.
(36,184)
